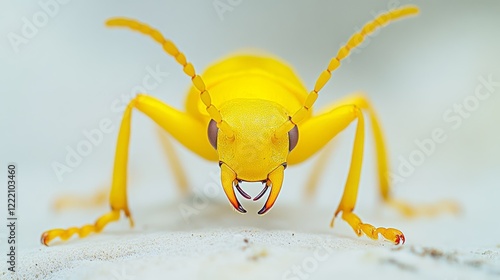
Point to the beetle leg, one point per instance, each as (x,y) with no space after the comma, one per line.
(315,134)
(348,201)
(99,198)
(65,234)
(173,160)
(403,207)
(183,127)
(430,209)
(318,169)
(118,197)
(391,234)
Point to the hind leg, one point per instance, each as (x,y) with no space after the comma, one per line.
(174,163)
(100,197)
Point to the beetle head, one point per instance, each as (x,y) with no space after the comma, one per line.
(253,154)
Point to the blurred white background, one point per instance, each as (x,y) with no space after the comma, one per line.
(66,78)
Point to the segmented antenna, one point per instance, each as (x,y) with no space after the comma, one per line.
(343,52)
(188,68)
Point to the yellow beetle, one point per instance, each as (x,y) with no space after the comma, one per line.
(254,108)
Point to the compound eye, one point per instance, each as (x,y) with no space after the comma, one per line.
(293,138)
(213,130)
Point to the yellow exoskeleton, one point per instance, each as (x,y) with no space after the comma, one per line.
(254,109)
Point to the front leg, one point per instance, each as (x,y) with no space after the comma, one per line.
(186,129)
(317,132)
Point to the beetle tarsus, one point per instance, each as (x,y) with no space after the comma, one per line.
(400,239)
(44,239)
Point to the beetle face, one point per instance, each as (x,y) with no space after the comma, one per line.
(253,154)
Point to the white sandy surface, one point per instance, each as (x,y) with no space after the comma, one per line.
(292,242)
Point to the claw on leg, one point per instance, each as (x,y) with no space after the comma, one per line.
(390,234)
(98,226)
